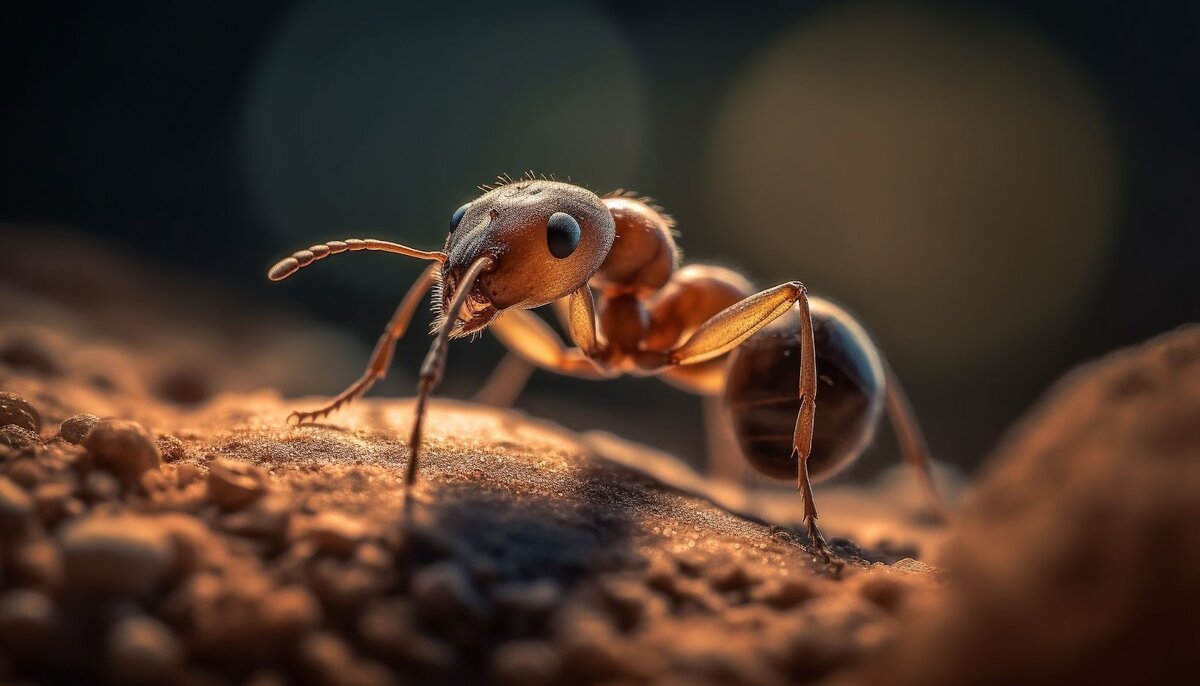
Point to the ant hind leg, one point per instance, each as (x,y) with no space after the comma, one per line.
(730,328)
(913,448)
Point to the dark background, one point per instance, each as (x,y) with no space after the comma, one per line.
(1000,190)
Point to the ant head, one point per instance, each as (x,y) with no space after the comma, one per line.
(545,240)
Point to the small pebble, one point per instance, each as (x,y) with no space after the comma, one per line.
(910,566)
(188,473)
(233,484)
(155,484)
(27,619)
(72,508)
(344,588)
(690,562)
(373,556)
(26,472)
(783,594)
(17,436)
(54,502)
(661,575)
(443,589)
(75,429)
(527,598)
(729,577)
(18,411)
(268,517)
(326,657)
(840,616)
(123,448)
(117,554)
(871,638)
(589,647)
(194,545)
(38,563)
(142,650)
(387,628)
(290,611)
(171,448)
(101,486)
(335,533)
(627,600)
(16,509)
(888,593)
(525,663)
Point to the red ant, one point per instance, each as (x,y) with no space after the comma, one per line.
(612,265)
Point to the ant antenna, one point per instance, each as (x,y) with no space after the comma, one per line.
(435,363)
(302,258)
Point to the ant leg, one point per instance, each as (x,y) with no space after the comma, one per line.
(724,456)
(532,339)
(435,361)
(562,312)
(509,378)
(580,318)
(912,443)
(728,329)
(506,382)
(802,437)
(381,358)
(815,537)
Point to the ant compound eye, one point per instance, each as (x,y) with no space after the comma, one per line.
(457,217)
(562,234)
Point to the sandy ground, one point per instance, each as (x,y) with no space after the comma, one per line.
(192,537)
(228,545)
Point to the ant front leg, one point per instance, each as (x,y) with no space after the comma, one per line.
(529,339)
(381,358)
(532,339)
(728,329)
(434,365)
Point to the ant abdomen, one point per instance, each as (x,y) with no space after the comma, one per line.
(762,400)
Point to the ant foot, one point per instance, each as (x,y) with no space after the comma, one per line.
(302,417)
(817,543)
(782,534)
(822,549)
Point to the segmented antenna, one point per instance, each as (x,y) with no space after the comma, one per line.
(302,258)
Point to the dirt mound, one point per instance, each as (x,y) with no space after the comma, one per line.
(1078,557)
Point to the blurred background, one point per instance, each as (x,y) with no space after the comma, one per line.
(998,190)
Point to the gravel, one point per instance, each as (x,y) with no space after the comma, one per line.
(278,555)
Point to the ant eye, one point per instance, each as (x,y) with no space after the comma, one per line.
(562,234)
(457,217)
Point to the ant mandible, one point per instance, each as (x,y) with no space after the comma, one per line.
(612,266)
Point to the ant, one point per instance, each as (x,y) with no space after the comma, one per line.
(611,266)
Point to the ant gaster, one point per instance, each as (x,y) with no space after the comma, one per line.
(611,265)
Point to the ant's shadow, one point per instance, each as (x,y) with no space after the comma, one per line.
(581,529)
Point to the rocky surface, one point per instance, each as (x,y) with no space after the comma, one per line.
(157,528)
(217,544)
